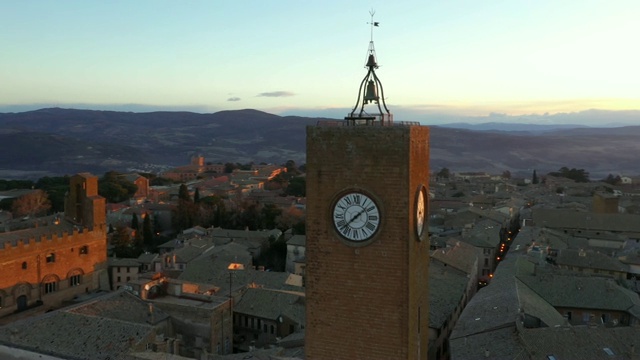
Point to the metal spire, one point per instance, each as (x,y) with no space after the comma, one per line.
(371,91)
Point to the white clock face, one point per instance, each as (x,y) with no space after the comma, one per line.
(421,212)
(356,216)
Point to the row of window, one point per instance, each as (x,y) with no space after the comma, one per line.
(254,323)
(52,285)
(51,257)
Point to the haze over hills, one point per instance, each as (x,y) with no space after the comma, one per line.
(54,141)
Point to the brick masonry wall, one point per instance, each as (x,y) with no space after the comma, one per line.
(362,302)
(17,281)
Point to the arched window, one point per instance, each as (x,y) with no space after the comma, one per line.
(24,265)
(75,277)
(50,284)
(51,257)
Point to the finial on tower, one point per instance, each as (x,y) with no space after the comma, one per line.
(371,91)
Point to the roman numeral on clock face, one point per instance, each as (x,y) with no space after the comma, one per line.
(356,216)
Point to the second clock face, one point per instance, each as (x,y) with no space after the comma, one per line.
(421,212)
(356,217)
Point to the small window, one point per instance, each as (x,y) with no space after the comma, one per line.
(119,279)
(24,265)
(128,269)
(84,250)
(273,329)
(128,278)
(74,280)
(51,258)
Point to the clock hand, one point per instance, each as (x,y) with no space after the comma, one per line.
(355,217)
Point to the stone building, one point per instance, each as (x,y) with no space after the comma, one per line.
(57,257)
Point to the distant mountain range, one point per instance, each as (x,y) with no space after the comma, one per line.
(54,141)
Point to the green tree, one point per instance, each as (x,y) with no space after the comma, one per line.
(214,206)
(613,180)
(289,219)
(444,173)
(135,224)
(534,179)
(124,245)
(291,167)
(184,215)
(274,254)
(196,196)
(506,174)
(297,186)
(15,184)
(56,188)
(147,232)
(270,213)
(229,167)
(116,188)
(577,175)
(183,193)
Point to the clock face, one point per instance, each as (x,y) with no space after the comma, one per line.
(356,217)
(421,212)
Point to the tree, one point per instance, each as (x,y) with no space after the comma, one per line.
(183,193)
(506,174)
(135,225)
(613,180)
(290,218)
(291,167)
(34,203)
(56,188)
(215,207)
(196,196)
(229,167)
(534,179)
(147,232)
(297,186)
(444,173)
(184,215)
(577,175)
(116,188)
(270,213)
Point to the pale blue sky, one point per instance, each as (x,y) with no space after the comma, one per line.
(437,57)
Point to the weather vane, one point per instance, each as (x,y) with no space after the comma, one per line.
(373,23)
(370,91)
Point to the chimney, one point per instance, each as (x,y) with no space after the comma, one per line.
(151,315)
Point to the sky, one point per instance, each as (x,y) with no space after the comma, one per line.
(438,59)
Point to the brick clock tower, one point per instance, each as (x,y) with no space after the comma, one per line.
(367,243)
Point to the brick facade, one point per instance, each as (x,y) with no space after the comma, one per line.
(371,301)
(54,262)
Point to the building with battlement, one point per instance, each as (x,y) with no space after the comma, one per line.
(58,257)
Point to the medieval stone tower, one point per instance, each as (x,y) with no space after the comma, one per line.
(83,205)
(367,244)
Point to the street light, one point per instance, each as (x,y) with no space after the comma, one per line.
(232,267)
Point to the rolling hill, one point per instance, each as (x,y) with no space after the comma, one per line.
(58,141)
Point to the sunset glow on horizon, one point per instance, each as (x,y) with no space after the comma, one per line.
(459,58)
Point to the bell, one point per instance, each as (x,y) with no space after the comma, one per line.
(371,61)
(371,94)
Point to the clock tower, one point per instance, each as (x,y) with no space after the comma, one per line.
(367,247)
